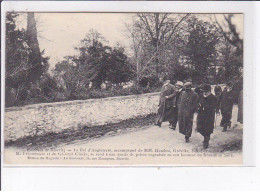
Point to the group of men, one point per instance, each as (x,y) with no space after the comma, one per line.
(179,102)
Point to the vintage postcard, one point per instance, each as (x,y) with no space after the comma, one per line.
(123,89)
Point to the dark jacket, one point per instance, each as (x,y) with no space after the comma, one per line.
(237,87)
(188,106)
(217,91)
(206,114)
(226,101)
(240,107)
(177,99)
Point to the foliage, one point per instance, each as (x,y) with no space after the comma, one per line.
(97,63)
(179,46)
(231,35)
(154,37)
(24,67)
(17,53)
(231,61)
(201,48)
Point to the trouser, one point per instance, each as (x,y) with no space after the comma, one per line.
(206,138)
(226,118)
(174,119)
(185,124)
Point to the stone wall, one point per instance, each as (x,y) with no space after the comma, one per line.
(54,117)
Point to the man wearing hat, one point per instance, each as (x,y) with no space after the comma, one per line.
(165,111)
(240,107)
(226,101)
(206,114)
(218,92)
(176,104)
(188,106)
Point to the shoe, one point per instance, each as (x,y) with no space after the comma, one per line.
(173,128)
(229,125)
(158,124)
(224,129)
(187,139)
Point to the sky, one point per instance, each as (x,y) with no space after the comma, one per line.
(59,33)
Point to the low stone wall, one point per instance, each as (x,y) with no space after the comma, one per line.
(54,117)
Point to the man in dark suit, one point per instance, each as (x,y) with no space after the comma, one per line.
(240,107)
(218,92)
(188,106)
(226,102)
(206,114)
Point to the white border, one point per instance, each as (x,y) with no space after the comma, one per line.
(183,176)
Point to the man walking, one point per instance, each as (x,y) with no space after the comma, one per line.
(240,107)
(226,106)
(188,106)
(206,114)
(165,111)
(176,104)
(218,92)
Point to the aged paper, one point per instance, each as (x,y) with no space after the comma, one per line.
(130,89)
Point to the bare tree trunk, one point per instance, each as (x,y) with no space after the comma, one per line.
(35,60)
(32,33)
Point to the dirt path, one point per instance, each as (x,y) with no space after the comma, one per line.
(164,137)
(225,148)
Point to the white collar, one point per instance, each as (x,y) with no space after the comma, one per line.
(166,84)
(207,95)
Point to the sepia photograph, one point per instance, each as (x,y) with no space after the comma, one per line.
(123,89)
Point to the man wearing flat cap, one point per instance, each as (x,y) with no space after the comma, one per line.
(165,111)
(176,104)
(206,114)
(188,106)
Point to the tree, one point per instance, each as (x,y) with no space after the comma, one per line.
(68,78)
(231,61)
(120,70)
(200,48)
(153,38)
(232,50)
(96,63)
(230,33)
(35,56)
(25,63)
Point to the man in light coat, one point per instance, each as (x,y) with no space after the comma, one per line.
(165,111)
(176,104)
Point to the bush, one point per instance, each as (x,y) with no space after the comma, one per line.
(36,94)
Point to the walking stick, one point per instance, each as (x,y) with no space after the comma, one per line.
(216,116)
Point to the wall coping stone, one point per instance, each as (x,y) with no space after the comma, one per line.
(73,102)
